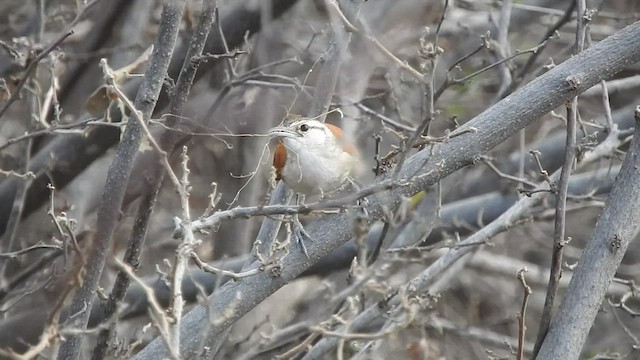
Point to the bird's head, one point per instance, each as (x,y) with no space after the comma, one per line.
(313,134)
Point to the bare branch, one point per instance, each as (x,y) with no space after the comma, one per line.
(522,328)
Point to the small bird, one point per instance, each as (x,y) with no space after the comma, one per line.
(312,158)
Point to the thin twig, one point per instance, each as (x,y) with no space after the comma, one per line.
(208,57)
(501,174)
(461,81)
(417,75)
(522,328)
(631,83)
(566,17)
(139,117)
(176,305)
(156,312)
(559,240)
(384,118)
(14,254)
(51,130)
(233,275)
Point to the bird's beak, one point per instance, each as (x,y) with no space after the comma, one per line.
(281,131)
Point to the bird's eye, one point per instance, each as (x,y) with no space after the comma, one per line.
(304,127)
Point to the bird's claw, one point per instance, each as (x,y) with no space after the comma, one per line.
(363,204)
(301,236)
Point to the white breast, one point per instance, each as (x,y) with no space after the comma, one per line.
(323,170)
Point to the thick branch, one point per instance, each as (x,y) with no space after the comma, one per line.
(616,227)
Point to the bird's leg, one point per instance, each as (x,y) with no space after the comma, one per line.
(298,230)
(361,203)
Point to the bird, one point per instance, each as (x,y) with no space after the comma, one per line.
(312,158)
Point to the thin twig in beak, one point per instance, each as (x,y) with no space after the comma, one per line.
(282,132)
